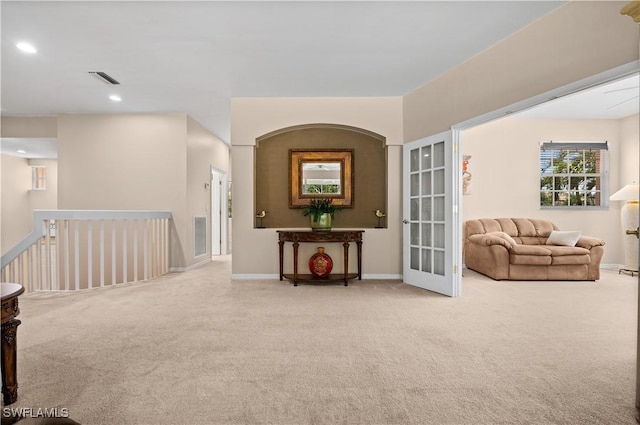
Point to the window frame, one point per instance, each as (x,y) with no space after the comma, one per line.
(568,148)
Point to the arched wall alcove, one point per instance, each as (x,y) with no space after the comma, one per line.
(272,174)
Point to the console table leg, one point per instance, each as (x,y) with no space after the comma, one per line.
(346,263)
(9,375)
(281,250)
(295,263)
(359,245)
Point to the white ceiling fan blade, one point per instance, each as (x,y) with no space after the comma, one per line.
(622,103)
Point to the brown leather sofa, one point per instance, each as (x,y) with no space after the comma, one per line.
(517,249)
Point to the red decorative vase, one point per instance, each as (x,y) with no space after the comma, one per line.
(320,263)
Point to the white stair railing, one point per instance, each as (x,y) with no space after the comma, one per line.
(83,249)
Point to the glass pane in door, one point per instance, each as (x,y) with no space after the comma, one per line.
(415,209)
(426,182)
(426,260)
(438,208)
(415,258)
(438,155)
(426,157)
(415,159)
(426,209)
(438,262)
(438,182)
(426,234)
(415,234)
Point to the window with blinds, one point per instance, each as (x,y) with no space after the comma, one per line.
(574,174)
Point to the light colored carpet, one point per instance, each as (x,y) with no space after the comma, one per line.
(197,348)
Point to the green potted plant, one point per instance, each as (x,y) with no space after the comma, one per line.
(321,211)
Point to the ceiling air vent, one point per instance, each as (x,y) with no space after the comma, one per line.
(104,77)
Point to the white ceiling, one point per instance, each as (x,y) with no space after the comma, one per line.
(193,57)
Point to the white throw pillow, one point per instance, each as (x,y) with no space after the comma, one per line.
(564,237)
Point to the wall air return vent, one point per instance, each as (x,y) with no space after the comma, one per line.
(104,77)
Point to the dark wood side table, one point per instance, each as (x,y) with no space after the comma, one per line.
(9,312)
(344,236)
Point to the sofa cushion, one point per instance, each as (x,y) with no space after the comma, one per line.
(559,251)
(531,240)
(566,255)
(565,260)
(530,260)
(530,255)
(564,237)
(531,227)
(530,250)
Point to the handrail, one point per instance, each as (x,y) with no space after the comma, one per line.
(40,215)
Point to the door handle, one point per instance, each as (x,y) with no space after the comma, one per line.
(405,221)
(633,232)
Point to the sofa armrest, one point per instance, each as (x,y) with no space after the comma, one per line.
(489,239)
(589,242)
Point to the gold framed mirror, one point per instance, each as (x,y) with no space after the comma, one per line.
(320,173)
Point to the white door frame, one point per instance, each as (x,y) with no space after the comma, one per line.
(586,83)
(219,212)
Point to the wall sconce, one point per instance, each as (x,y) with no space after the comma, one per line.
(629,218)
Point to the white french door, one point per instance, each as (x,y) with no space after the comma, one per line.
(430,215)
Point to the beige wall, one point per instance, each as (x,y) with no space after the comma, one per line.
(578,40)
(513,143)
(138,162)
(256,250)
(29,127)
(16,218)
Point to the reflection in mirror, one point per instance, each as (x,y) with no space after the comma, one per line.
(321,178)
(321,173)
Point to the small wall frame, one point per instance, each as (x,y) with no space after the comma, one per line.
(320,173)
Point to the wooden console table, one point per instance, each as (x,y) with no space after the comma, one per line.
(9,312)
(296,237)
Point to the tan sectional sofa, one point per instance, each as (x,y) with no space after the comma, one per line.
(517,249)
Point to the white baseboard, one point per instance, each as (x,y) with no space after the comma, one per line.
(191,267)
(242,276)
(375,276)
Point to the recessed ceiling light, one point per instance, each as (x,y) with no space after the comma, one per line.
(115,98)
(26,47)
(21,151)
